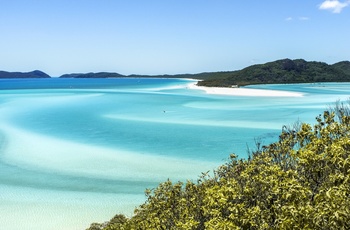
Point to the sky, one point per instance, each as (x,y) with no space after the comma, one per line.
(168,36)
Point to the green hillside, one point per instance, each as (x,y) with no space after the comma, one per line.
(283,71)
(343,66)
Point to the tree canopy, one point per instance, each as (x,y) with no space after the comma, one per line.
(302,181)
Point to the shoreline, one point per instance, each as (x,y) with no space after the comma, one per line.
(244,92)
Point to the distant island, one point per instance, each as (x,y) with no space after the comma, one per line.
(33,74)
(280,71)
(93,75)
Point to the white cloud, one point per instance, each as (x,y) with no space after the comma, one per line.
(299,18)
(334,5)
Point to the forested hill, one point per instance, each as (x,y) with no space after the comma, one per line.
(282,71)
(33,74)
(343,66)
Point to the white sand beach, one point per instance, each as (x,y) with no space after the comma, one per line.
(244,91)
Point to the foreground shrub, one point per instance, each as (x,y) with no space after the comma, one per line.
(300,182)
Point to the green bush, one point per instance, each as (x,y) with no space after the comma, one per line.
(302,181)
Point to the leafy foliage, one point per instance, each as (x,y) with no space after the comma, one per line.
(302,181)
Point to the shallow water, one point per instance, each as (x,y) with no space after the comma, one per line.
(76,151)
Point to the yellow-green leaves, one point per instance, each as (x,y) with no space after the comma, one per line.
(300,182)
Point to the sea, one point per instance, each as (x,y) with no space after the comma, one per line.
(78,151)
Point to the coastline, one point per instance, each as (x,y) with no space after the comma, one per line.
(244,92)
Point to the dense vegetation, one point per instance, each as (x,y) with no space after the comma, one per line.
(343,66)
(33,74)
(283,71)
(300,182)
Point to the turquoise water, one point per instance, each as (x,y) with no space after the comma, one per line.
(76,151)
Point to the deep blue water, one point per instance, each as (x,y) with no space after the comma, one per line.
(91,146)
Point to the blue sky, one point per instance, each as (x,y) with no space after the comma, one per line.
(168,36)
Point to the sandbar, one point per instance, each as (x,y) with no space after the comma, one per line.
(246,92)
